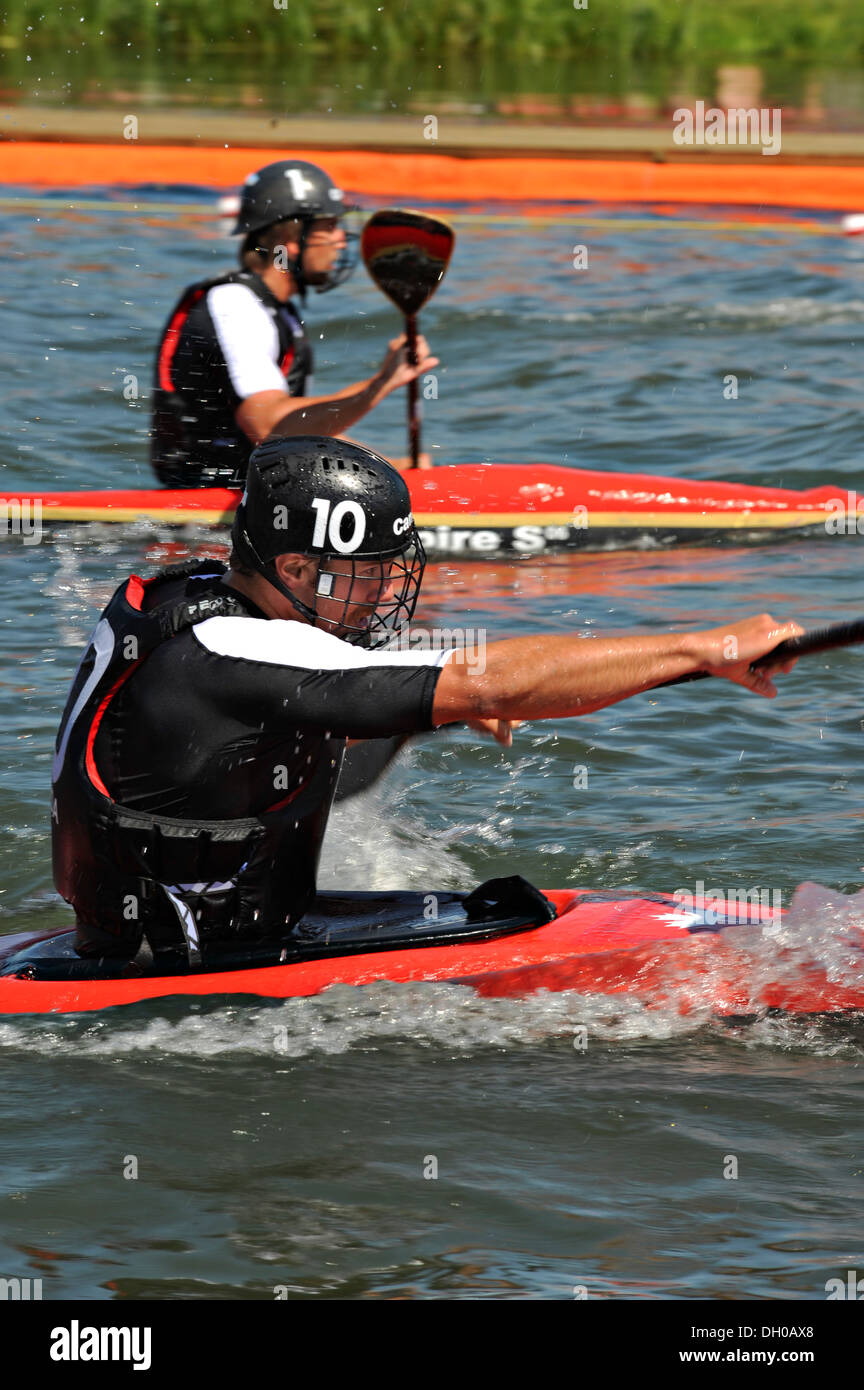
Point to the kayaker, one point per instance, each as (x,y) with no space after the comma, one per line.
(203,735)
(234,362)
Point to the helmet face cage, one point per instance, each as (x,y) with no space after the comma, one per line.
(345,265)
(342,268)
(386,589)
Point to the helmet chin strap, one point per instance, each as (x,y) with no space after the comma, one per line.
(268,572)
(323,589)
(297,267)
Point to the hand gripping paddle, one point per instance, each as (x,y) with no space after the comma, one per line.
(406,254)
(821,639)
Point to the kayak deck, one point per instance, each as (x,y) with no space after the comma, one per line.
(599,943)
(485,509)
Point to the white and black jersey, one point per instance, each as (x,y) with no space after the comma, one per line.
(231,716)
(225,340)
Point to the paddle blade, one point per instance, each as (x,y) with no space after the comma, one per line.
(406,253)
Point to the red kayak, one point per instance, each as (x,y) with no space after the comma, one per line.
(649,947)
(477,510)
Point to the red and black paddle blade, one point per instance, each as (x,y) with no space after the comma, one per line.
(406,253)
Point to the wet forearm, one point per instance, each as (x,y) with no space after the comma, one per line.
(328,415)
(548,677)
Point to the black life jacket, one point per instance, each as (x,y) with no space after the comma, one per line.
(180,882)
(194,439)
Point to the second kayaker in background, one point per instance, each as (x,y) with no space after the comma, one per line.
(202,739)
(234,363)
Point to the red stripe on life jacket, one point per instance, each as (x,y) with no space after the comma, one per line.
(135,591)
(92,771)
(286,800)
(285,364)
(172,337)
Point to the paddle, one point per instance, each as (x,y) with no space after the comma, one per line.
(821,639)
(407,253)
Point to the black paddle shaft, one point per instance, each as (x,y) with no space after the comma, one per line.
(413,395)
(821,639)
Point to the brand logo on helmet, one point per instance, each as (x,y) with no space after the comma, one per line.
(402,524)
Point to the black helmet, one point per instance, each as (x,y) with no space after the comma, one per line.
(294,189)
(340,502)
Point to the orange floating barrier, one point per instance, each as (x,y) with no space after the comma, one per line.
(755,183)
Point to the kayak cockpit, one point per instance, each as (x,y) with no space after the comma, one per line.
(340,924)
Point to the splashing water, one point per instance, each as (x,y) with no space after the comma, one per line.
(373,842)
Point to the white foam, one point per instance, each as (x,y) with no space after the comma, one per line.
(439,1018)
(428,1016)
(400,853)
(788,309)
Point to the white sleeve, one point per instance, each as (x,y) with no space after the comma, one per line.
(284,642)
(248,338)
(284,674)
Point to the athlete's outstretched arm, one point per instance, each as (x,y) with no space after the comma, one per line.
(549,677)
(273,412)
